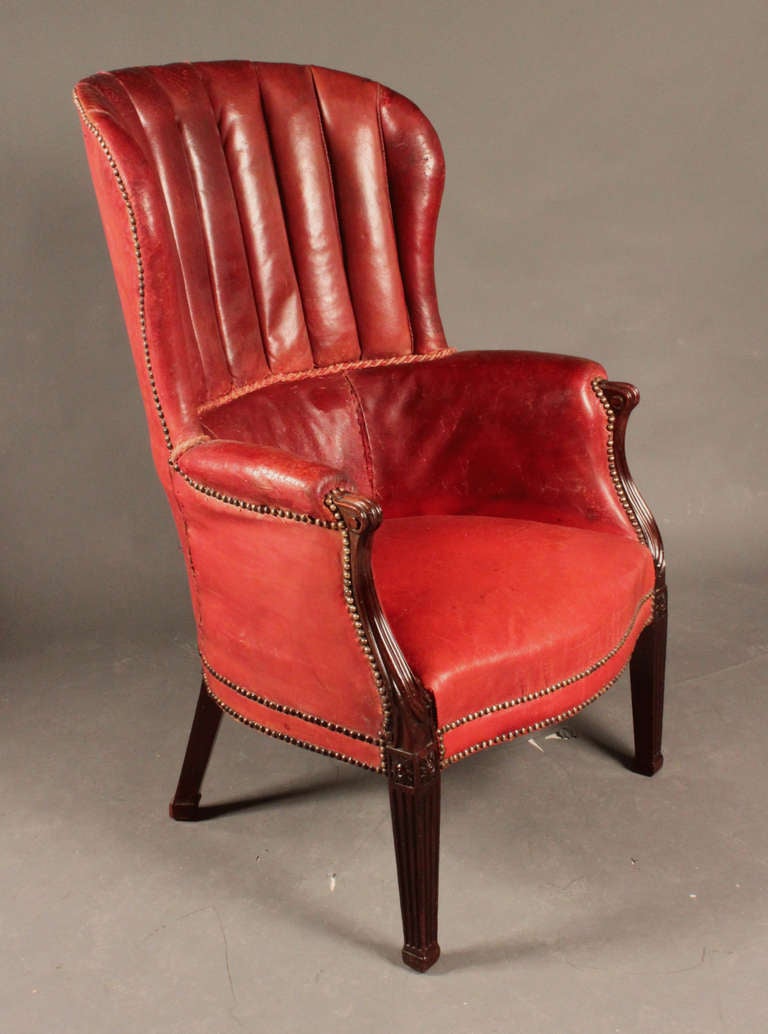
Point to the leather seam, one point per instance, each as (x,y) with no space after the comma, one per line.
(597,388)
(325,371)
(383,148)
(286,709)
(244,504)
(134,231)
(527,698)
(286,738)
(365,437)
(534,727)
(187,547)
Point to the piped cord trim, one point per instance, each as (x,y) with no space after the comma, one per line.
(323,371)
(563,683)
(325,751)
(133,224)
(292,712)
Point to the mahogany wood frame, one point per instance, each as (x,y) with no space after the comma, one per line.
(412,742)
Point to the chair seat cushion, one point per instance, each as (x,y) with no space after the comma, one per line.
(513,625)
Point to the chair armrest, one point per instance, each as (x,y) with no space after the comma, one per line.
(523,434)
(260,476)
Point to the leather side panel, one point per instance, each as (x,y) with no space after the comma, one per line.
(271,614)
(516,434)
(294,729)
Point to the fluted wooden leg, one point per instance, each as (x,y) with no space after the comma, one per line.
(414,795)
(646,670)
(202,736)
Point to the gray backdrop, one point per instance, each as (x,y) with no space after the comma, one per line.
(607,195)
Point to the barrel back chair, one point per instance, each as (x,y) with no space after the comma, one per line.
(398,554)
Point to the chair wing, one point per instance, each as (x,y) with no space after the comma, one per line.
(398,555)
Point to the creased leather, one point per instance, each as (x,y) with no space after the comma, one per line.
(490,610)
(316,419)
(263,474)
(516,434)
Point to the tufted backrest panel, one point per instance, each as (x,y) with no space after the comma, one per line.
(283,216)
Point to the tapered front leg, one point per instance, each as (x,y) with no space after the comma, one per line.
(414,795)
(202,736)
(646,671)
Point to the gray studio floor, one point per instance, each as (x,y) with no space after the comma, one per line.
(576,897)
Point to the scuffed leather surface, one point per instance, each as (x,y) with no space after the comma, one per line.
(262,474)
(518,434)
(489,610)
(272,618)
(317,419)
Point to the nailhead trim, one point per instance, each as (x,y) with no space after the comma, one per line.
(285,709)
(354,613)
(139,263)
(545,723)
(597,387)
(323,371)
(243,504)
(325,751)
(506,704)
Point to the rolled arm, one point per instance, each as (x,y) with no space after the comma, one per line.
(260,476)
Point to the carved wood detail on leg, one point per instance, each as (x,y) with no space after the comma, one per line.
(414,797)
(410,726)
(646,670)
(202,736)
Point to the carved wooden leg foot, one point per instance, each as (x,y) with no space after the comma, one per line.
(646,670)
(414,795)
(202,736)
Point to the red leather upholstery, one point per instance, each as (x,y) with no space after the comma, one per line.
(506,621)
(272,232)
(284,217)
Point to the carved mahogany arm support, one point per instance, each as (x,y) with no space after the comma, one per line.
(411,719)
(619,399)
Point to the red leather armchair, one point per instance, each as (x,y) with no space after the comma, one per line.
(398,554)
